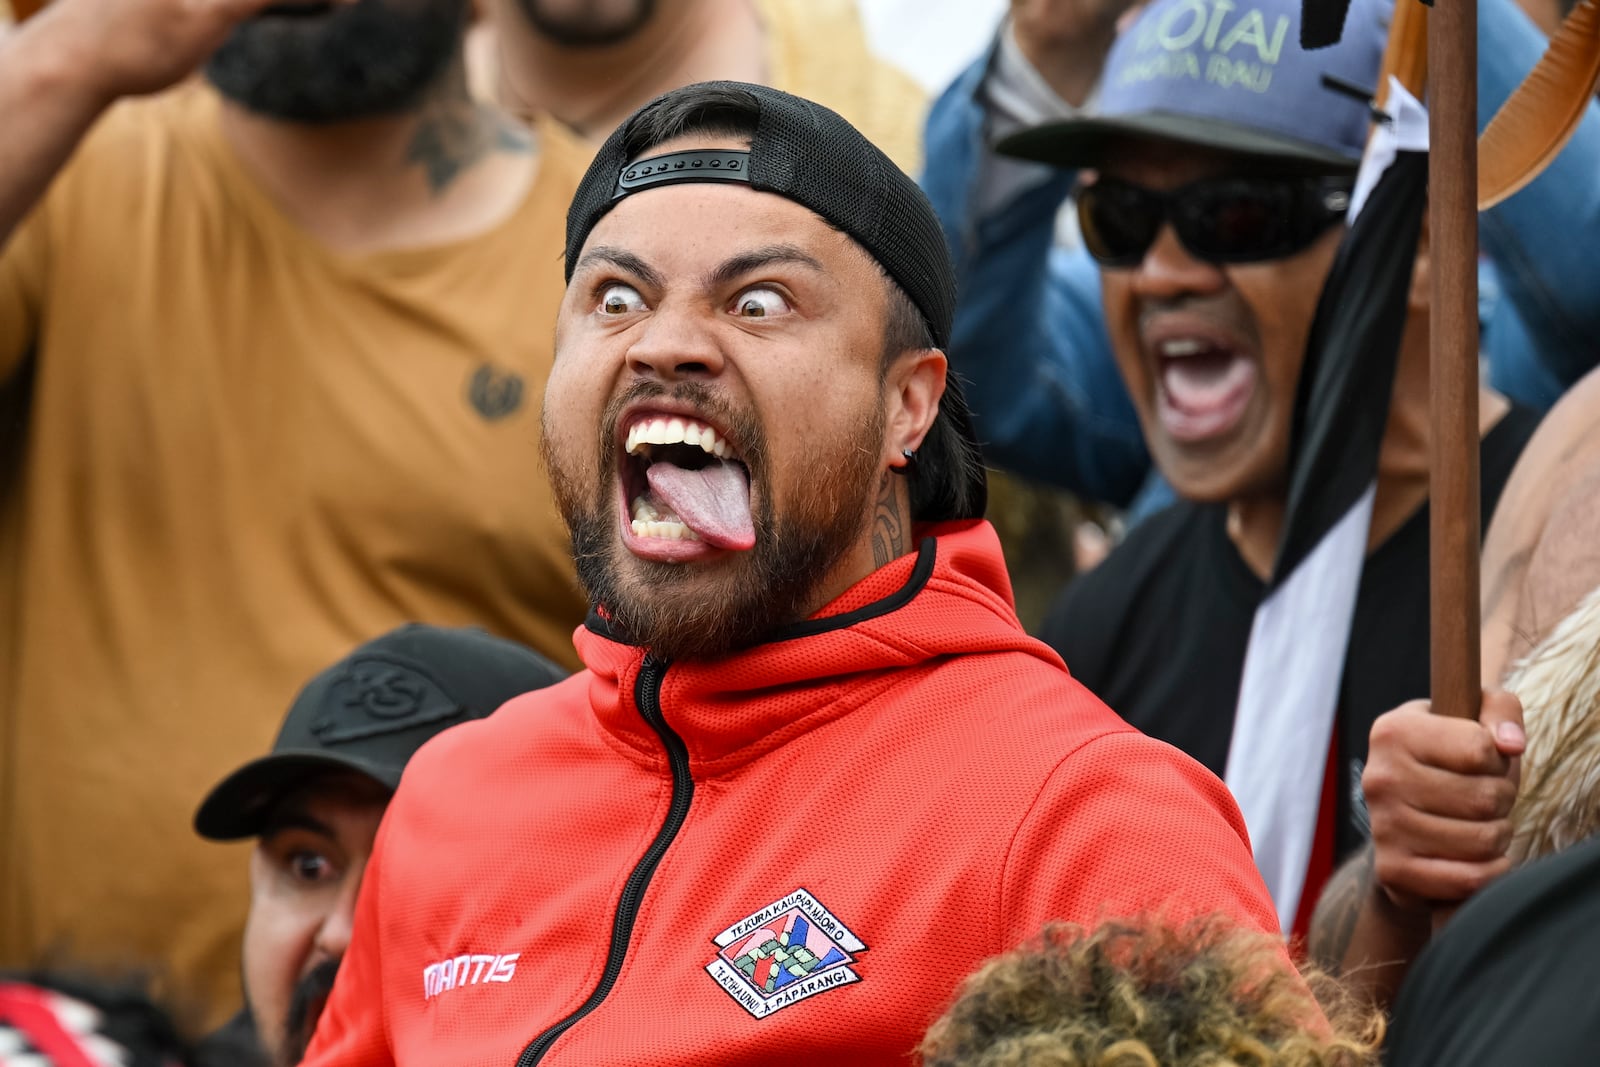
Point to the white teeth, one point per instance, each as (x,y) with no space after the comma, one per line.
(1182,346)
(650,521)
(672,431)
(666,530)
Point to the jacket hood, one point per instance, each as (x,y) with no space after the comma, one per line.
(950,597)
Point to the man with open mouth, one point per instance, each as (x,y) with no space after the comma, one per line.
(814,772)
(1220,169)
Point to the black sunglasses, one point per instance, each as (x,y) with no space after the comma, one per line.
(1219,220)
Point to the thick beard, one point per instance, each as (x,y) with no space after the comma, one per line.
(368,59)
(687,611)
(584,29)
(311,992)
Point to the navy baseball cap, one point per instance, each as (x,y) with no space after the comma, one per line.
(1230,75)
(371,711)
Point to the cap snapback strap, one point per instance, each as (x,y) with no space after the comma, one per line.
(697,165)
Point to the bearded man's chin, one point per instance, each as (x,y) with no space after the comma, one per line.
(338,62)
(698,612)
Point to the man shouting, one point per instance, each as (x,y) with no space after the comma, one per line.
(814,772)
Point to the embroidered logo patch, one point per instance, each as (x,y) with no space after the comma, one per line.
(791,949)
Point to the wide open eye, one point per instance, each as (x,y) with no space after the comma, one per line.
(759,303)
(618,299)
(303,860)
(310,867)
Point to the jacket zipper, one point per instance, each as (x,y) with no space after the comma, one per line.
(647,695)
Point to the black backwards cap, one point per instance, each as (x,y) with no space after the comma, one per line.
(371,711)
(804,152)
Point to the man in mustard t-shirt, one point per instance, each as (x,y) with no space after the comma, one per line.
(277,337)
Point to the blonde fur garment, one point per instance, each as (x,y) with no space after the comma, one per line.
(1559,686)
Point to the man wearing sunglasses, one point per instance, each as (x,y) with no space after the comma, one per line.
(1029,334)
(1218,172)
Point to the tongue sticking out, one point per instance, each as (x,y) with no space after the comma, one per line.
(713,501)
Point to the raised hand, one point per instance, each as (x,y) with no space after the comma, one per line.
(113,48)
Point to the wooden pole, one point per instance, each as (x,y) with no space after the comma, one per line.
(1453,236)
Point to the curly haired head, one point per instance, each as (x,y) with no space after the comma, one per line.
(1204,994)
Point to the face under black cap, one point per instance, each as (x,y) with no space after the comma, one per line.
(803,152)
(371,711)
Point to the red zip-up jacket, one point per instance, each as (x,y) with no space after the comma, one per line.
(793,853)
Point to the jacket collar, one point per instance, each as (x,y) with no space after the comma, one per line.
(951,596)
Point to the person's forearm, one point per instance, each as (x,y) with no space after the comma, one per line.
(1072,69)
(48,106)
(1029,337)
(1360,935)
(1067,42)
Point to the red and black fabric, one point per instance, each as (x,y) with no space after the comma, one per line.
(57,1022)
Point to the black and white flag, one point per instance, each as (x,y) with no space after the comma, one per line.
(1289,695)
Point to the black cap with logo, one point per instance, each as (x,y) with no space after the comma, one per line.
(371,711)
